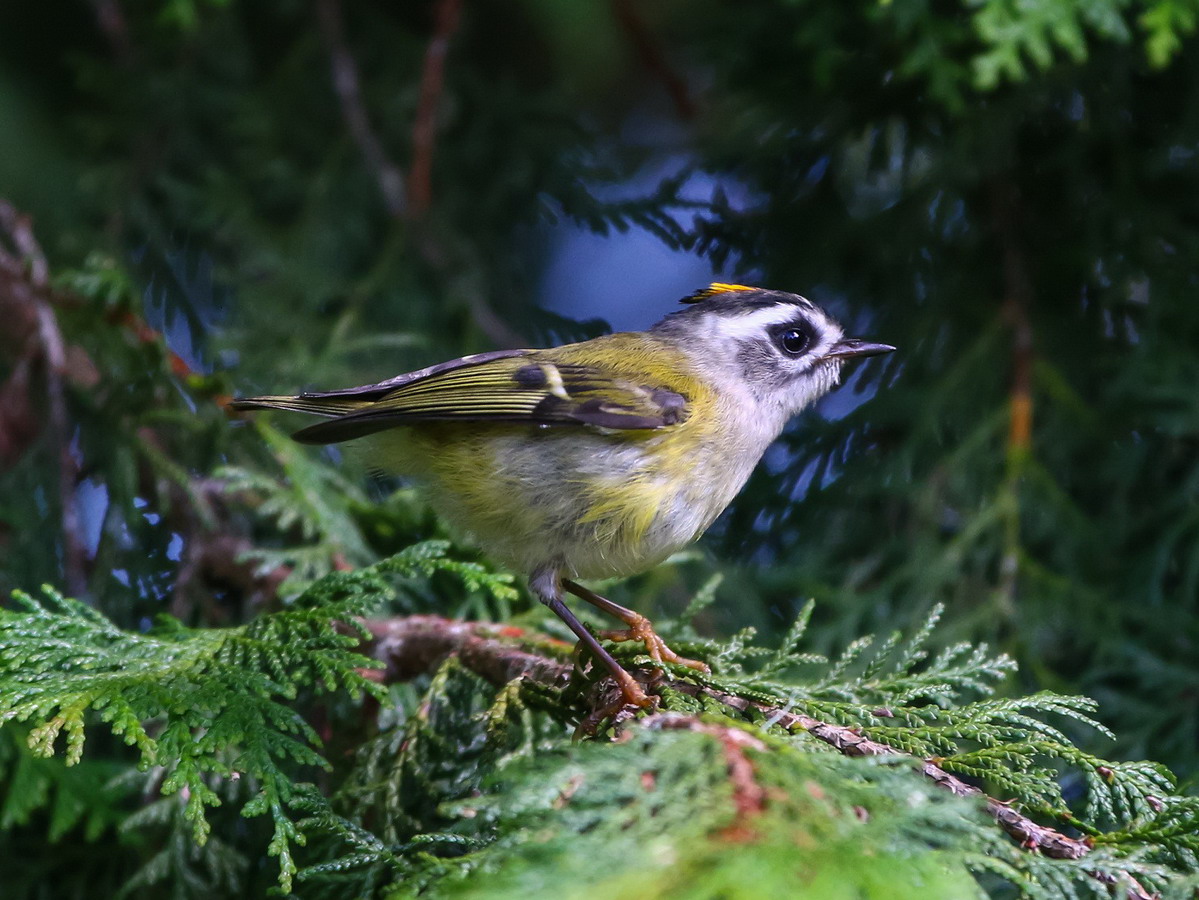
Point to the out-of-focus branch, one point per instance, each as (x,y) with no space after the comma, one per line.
(115,28)
(749,797)
(41,365)
(424,129)
(347,86)
(25,301)
(1017,299)
(410,646)
(412,200)
(650,55)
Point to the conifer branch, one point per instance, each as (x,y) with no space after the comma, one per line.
(410,646)
(851,742)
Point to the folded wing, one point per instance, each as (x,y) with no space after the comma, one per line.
(516,386)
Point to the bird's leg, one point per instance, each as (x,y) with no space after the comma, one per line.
(640,628)
(548,588)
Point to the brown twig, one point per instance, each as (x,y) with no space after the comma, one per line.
(650,56)
(54,354)
(413,645)
(852,742)
(749,797)
(26,282)
(1017,299)
(115,28)
(412,200)
(347,86)
(424,128)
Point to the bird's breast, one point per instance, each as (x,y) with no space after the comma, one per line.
(649,500)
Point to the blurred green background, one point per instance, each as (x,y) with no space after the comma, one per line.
(322,194)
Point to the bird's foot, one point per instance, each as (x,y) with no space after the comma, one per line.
(642,630)
(632,692)
(615,713)
(614,701)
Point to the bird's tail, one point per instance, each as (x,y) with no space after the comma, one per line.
(330,407)
(346,426)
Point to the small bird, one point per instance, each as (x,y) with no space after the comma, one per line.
(600,458)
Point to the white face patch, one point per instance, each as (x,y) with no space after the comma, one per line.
(748,346)
(755,325)
(740,347)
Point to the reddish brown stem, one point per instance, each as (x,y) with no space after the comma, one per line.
(1018,291)
(347,86)
(424,128)
(25,277)
(1017,299)
(115,28)
(650,55)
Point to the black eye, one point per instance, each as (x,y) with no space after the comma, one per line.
(794,340)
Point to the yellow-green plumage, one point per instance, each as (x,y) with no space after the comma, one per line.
(602,501)
(599,458)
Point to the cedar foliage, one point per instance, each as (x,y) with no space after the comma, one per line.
(1002,190)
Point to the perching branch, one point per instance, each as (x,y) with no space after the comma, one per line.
(413,645)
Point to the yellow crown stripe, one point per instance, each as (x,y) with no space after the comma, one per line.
(716,288)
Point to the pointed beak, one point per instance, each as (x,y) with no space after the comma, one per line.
(852,348)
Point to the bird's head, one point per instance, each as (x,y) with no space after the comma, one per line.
(780,348)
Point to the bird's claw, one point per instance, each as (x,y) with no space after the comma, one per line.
(642,630)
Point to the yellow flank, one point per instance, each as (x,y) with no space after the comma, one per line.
(460,468)
(623,511)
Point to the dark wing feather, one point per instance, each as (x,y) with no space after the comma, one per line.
(505,386)
(383,388)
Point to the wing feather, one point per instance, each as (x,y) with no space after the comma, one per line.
(504,386)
